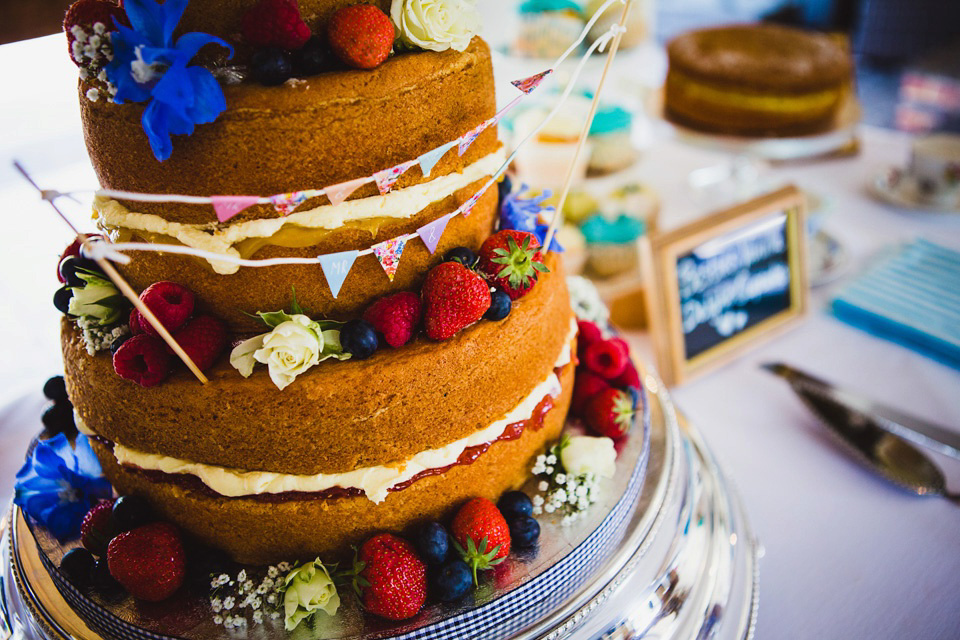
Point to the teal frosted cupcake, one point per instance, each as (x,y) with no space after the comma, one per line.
(612,243)
(548,27)
(610,137)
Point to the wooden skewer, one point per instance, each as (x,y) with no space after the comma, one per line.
(120,283)
(565,191)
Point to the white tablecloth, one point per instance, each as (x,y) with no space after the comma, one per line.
(847,555)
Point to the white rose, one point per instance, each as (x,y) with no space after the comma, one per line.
(436,25)
(98,300)
(586,454)
(308,589)
(290,349)
(241,358)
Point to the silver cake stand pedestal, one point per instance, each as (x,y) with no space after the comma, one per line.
(686,567)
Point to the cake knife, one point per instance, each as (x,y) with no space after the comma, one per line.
(916,430)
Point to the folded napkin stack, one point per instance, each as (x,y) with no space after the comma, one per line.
(911,297)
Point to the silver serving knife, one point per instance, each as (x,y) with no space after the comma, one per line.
(916,430)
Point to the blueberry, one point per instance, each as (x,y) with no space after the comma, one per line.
(513,504)
(72,266)
(432,542)
(359,338)
(504,188)
(55,388)
(463,255)
(271,67)
(129,512)
(452,580)
(58,418)
(102,581)
(500,305)
(117,343)
(77,565)
(524,531)
(312,58)
(61,299)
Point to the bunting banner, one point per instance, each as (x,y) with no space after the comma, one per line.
(227,207)
(529,84)
(285,203)
(467,139)
(340,192)
(387,178)
(388,253)
(430,233)
(430,159)
(467,206)
(335,267)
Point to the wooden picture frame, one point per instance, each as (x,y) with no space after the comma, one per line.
(692,330)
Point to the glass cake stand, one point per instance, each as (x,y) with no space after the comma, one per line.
(668,553)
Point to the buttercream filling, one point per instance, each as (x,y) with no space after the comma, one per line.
(374,482)
(217,238)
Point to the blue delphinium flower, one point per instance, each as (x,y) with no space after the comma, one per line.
(58,484)
(148,66)
(522,213)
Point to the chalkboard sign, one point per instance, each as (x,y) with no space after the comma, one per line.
(722,282)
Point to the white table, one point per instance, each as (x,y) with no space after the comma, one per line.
(847,556)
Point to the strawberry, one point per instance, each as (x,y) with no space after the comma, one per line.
(454,297)
(512,260)
(586,385)
(143,359)
(391,580)
(275,23)
(148,561)
(607,358)
(610,413)
(82,17)
(203,338)
(480,535)
(97,527)
(361,35)
(170,302)
(395,316)
(73,249)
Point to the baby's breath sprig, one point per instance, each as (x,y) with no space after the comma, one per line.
(240,600)
(561,493)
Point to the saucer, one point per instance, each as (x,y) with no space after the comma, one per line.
(898,188)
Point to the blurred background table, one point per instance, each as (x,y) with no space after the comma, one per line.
(847,555)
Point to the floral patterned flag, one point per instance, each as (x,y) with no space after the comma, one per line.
(430,233)
(228,206)
(467,206)
(388,253)
(529,84)
(340,192)
(472,135)
(285,203)
(430,159)
(388,177)
(335,267)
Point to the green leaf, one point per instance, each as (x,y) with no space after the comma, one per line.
(295,307)
(274,319)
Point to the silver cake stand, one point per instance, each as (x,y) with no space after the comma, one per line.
(685,565)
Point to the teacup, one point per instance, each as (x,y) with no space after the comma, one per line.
(935,165)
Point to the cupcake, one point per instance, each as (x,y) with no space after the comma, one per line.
(611,244)
(548,27)
(544,161)
(638,22)
(610,138)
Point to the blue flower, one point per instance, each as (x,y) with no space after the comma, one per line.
(522,213)
(148,66)
(58,484)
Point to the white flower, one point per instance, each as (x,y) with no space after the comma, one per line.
(216,605)
(228,603)
(586,454)
(308,589)
(258,616)
(272,572)
(561,478)
(436,25)
(217,619)
(98,299)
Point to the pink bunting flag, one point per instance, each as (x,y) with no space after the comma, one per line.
(430,233)
(472,135)
(335,267)
(285,203)
(228,206)
(340,192)
(388,177)
(467,206)
(388,253)
(529,84)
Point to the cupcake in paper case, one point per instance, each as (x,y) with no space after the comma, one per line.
(610,138)
(612,244)
(639,22)
(544,161)
(548,28)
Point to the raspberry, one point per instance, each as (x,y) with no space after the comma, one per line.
(97,528)
(586,386)
(588,333)
(149,561)
(203,338)
(395,316)
(607,359)
(170,302)
(85,14)
(629,378)
(135,328)
(275,23)
(361,35)
(143,359)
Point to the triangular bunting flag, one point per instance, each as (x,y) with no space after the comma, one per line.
(467,206)
(471,135)
(340,192)
(285,203)
(335,267)
(430,233)
(430,159)
(529,84)
(388,253)
(228,206)
(388,177)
